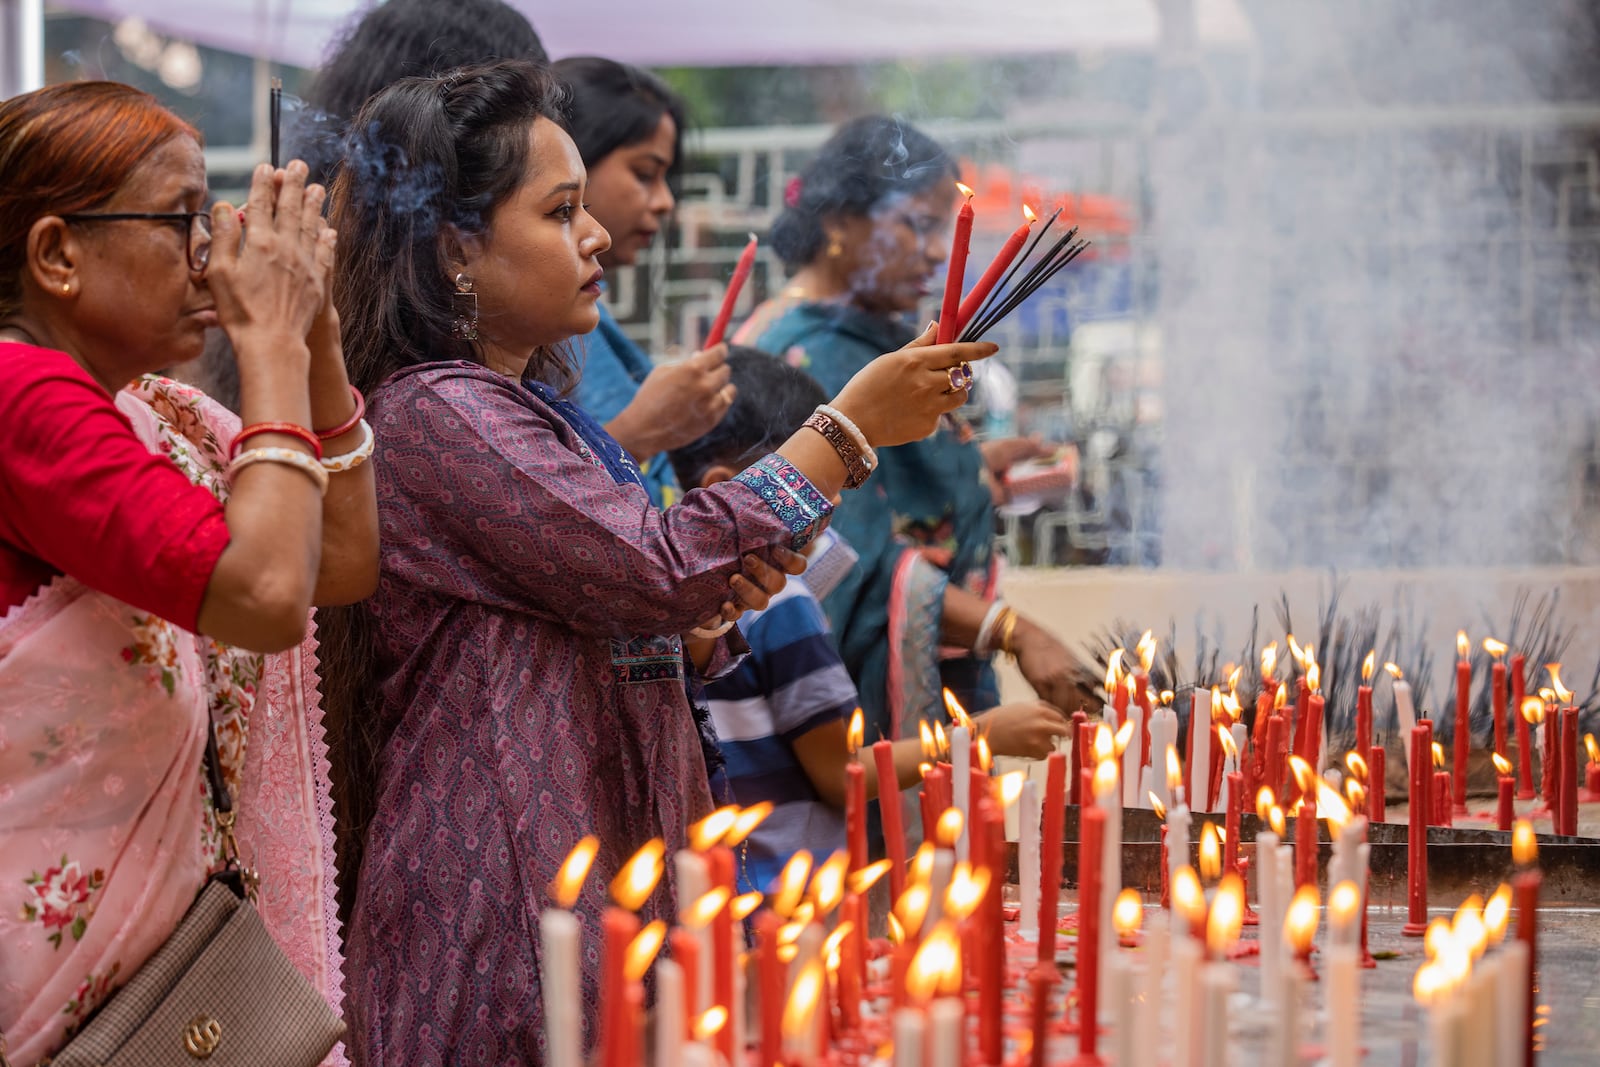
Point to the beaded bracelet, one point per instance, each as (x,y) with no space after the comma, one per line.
(255,429)
(348,424)
(864,446)
(290,457)
(349,461)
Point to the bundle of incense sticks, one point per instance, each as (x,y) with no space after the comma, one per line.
(275,117)
(1012,290)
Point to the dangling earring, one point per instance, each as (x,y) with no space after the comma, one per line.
(465,303)
(835,248)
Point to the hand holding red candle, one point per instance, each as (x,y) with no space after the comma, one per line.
(997,267)
(741,272)
(956,271)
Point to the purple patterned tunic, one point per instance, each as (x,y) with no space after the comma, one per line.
(534,693)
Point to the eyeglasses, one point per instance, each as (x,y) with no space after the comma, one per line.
(197,224)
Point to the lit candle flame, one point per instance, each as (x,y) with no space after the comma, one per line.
(1497,914)
(936,967)
(1428,984)
(1467,926)
(924,769)
(1166,696)
(1188,899)
(741,906)
(868,876)
(967,888)
(1436,938)
(1367,666)
(1011,787)
(985,757)
(1105,779)
(941,741)
(792,883)
(1027,213)
(638,877)
(1463,646)
(1356,765)
(965,190)
(1264,802)
(856,733)
(1131,684)
(1438,756)
(827,884)
(1113,672)
(1156,806)
(958,714)
(1269,661)
(746,822)
(710,1023)
(1493,647)
(1210,854)
(1296,653)
(1226,919)
(1225,739)
(930,748)
(705,909)
(1524,846)
(1304,776)
(1563,694)
(1174,770)
(1127,914)
(1123,736)
(1105,746)
(1314,676)
(1300,922)
(804,996)
(1343,902)
(897,933)
(947,831)
(1275,820)
(564,888)
(1594,749)
(1394,672)
(1280,698)
(912,907)
(835,939)
(1331,806)
(642,950)
(1233,679)
(1502,765)
(1147,651)
(706,833)
(922,859)
(1355,794)
(1532,710)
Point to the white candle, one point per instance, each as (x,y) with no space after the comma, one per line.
(1269,913)
(563,1023)
(1407,714)
(669,1014)
(694,882)
(1150,1014)
(1130,762)
(939,879)
(1241,745)
(1200,771)
(1448,1019)
(910,1037)
(1343,985)
(1511,1003)
(961,783)
(1122,995)
(1216,983)
(1284,1047)
(1481,989)
(1163,733)
(945,1017)
(1177,837)
(1028,858)
(1186,954)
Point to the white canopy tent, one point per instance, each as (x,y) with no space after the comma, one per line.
(721,32)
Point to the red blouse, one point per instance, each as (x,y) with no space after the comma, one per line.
(80,494)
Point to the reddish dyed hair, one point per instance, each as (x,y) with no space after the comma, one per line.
(68,148)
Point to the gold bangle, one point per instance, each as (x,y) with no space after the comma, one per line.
(1007,625)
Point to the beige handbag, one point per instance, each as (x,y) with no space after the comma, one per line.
(219,990)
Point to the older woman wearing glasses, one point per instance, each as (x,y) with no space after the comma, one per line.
(155,556)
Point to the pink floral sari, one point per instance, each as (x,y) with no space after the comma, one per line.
(106,828)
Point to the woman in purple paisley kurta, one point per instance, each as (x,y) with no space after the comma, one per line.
(522,663)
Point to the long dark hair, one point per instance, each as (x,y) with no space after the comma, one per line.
(404,39)
(424,154)
(615,105)
(865,162)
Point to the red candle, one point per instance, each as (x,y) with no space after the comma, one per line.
(1119,704)
(1568,757)
(1550,761)
(1257,763)
(1364,724)
(741,271)
(1083,738)
(1277,745)
(930,814)
(1377,797)
(852,962)
(1463,728)
(1591,780)
(1519,684)
(991,962)
(630,1033)
(894,835)
(1417,832)
(1050,833)
(686,951)
(1302,707)
(855,812)
(1091,843)
(1305,841)
(1525,893)
(1141,694)
(1497,702)
(1429,793)
(956,271)
(770,978)
(1040,980)
(1441,799)
(720,864)
(997,268)
(1504,810)
(1230,821)
(619,929)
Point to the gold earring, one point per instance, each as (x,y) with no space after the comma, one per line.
(66,288)
(835,248)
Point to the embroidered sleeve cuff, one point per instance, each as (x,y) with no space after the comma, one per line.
(793,499)
(730,651)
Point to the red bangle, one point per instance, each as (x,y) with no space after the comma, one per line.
(348,424)
(255,429)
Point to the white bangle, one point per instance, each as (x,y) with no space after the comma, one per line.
(868,455)
(986,631)
(349,461)
(304,462)
(712,635)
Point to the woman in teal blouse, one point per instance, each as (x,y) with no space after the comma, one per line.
(864,231)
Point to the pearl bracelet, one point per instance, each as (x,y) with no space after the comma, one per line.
(303,462)
(711,635)
(349,461)
(862,444)
(985,642)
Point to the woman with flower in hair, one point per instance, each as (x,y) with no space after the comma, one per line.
(864,230)
(157,561)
